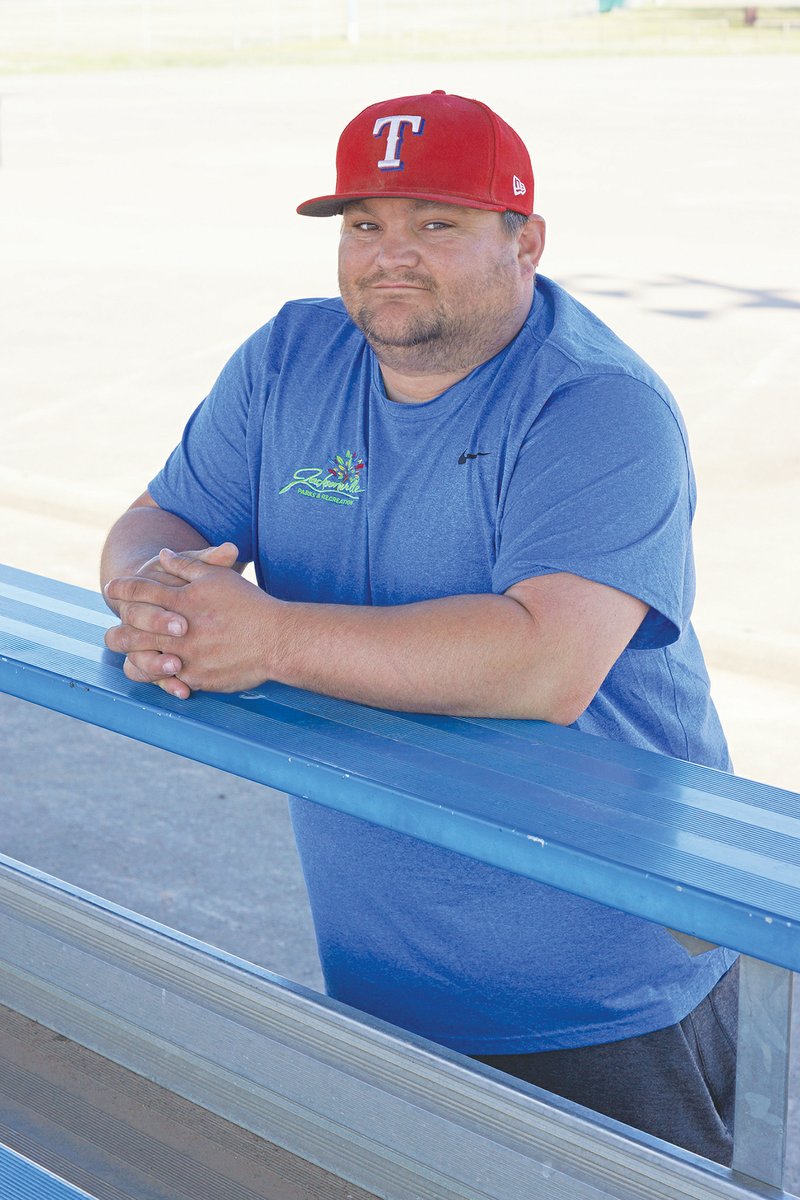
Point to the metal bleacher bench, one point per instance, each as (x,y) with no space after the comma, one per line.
(137,1062)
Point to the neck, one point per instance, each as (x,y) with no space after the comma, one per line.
(409,388)
(416,374)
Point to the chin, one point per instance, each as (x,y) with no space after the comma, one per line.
(399,338)
(405,330)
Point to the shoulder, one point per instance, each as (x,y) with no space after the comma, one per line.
(328,313)
(593,374)
(299,330)
(584,343)
(307,329)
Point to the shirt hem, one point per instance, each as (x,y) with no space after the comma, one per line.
(576,1038)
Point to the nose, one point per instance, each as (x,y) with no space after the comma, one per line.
(396,248)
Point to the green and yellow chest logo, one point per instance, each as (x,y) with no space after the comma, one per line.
(339,481)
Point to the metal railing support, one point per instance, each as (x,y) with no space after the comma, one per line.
(762,1075)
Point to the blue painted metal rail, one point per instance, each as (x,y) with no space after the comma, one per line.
(21,1179)
(701,851)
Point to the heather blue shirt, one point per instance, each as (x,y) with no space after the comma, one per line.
(564,452)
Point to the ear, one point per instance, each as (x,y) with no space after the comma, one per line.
(531,243)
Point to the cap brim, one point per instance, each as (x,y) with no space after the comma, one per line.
(322,206)
(331,206)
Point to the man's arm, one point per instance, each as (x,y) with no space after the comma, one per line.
(539,651)
(137,537)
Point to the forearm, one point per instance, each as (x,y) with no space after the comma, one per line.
(464,655)
(139,534)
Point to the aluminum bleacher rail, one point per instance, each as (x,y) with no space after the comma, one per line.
(23,1180)
(335,1102)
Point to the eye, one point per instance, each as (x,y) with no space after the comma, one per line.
(436,225)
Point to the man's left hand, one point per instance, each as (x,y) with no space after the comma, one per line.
(228,619)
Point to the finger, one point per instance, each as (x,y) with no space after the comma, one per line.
(185,566)
(169,684)
(139,589)
(127,639)
(152,619)
(175,687)
(170,581)
(225,555)
(148,666)
(152,569)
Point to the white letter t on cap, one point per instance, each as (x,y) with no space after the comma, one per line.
(394,140)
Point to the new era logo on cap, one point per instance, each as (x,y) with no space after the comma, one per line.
(430,147)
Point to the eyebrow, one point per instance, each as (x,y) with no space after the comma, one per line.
(433,204)
(416,204)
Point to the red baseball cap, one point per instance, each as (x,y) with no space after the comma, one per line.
(430,147)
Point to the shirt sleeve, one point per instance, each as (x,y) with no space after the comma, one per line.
(603,488)
(208,478)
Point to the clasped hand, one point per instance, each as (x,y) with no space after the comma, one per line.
(189,622)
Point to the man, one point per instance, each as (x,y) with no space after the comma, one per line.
(462,494)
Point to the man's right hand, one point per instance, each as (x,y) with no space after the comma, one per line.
(157,664)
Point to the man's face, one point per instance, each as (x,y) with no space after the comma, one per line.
(432,286)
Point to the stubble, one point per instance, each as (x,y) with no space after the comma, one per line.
(441,337)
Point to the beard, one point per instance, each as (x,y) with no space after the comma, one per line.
(433,337)
(415,330)
(405,327)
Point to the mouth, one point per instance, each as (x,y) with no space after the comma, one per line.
(397,293)
(382,284)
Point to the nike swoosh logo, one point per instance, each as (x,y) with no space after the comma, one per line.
(479,454)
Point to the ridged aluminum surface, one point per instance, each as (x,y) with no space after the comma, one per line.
(21,1179)
(391,1113)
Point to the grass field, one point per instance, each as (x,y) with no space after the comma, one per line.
(77,35)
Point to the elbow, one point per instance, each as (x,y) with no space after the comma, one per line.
(566,711)
(561,706)
(572,698)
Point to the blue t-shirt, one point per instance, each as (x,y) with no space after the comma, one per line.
(564,452)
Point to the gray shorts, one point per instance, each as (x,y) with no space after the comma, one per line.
(677,1083)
